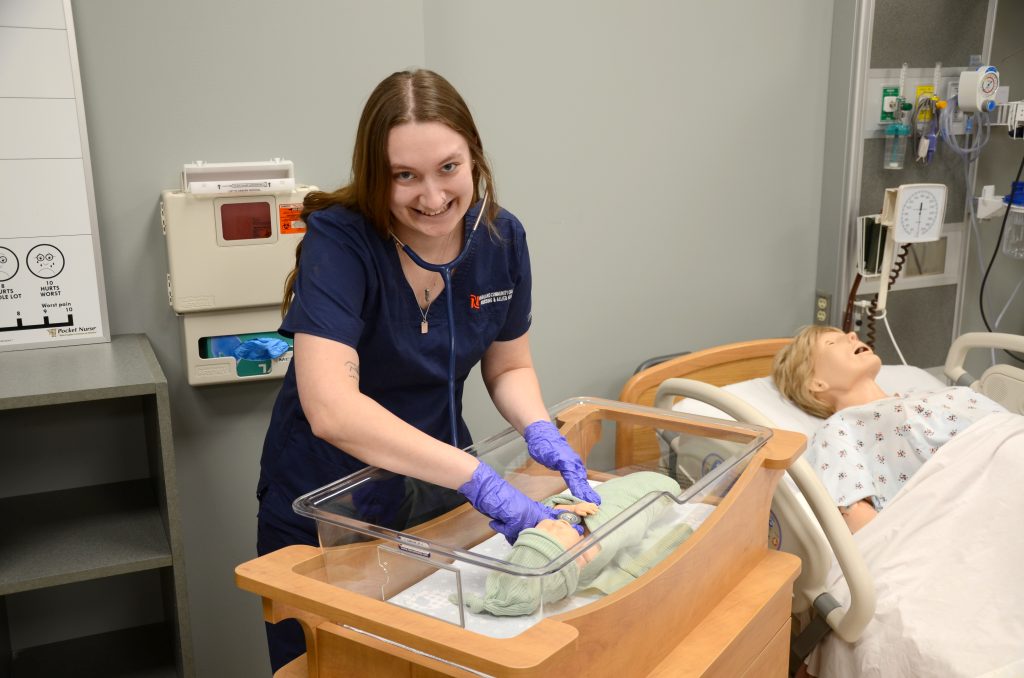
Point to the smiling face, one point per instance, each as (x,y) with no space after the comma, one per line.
(431,181)
(842,362)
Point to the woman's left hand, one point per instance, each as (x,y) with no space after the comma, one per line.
(549,447)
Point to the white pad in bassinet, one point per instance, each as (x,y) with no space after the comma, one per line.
(430,596)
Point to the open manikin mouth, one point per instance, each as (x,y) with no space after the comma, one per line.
(861,349)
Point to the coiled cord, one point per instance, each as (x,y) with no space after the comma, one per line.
(850,299)
(897,266)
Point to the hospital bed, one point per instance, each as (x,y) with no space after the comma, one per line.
(717,605)
(732,381)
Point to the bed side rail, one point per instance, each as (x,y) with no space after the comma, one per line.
(1003,383)
(847,623)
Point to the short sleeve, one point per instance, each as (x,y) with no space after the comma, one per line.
(520,314)
(331,284)
(840,461)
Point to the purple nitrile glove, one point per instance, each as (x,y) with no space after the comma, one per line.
(511,510)
(549,447)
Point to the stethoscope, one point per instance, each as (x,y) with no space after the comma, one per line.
(446,273)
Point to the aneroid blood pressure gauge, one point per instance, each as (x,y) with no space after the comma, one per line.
(915,212)
(977,89)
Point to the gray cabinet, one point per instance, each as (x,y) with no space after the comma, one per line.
(64,526)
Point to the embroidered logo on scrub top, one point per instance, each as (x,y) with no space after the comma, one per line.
(478,300)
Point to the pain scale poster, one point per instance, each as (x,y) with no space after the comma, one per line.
(51,285)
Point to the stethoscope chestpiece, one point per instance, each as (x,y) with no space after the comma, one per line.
(570,517)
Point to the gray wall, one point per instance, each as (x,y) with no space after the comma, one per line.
(663,212)
(169,83)
(998,166)
(670,192)
(921,32)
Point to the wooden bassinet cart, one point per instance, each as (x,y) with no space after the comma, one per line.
(719,605)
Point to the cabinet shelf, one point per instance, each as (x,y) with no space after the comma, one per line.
(85,533)
(139,652)
(68,374)
(105,526)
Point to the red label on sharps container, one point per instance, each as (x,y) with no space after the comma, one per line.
(290,218)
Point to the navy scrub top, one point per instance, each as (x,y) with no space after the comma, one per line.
(350,288)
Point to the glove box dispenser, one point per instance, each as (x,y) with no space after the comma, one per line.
(231,232)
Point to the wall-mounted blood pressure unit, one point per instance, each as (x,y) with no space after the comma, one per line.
(231,231)
(912,213)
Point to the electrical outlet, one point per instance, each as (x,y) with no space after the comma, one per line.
(822,307)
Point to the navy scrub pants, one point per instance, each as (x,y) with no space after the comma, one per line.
(284,639)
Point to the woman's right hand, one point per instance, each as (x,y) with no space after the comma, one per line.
(511,510)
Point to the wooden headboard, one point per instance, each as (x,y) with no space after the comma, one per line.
(721,365)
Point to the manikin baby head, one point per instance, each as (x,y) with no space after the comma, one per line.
(513,595)
(563,532)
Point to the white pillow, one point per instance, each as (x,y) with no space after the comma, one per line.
(762,395)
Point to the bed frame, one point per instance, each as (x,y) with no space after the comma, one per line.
(699,375)
(1000,382)
(718,366)
(719,605)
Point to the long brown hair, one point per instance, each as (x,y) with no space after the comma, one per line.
(402,97)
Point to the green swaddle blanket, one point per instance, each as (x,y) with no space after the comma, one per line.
(625,554)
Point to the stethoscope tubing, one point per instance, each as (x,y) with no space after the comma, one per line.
(446,273)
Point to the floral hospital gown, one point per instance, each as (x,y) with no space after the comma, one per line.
(871,451)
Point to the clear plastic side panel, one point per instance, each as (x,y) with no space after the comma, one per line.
(476,597)
(660,477)
(480,599)
(437,591)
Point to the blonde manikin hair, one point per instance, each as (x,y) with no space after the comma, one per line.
(793,369)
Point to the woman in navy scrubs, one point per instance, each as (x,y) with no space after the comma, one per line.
(369,383)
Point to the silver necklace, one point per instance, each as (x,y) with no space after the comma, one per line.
(424,325)
(427,300)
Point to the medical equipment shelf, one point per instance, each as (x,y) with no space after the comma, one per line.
(103,527)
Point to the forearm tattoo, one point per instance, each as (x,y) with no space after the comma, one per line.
(353,370)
